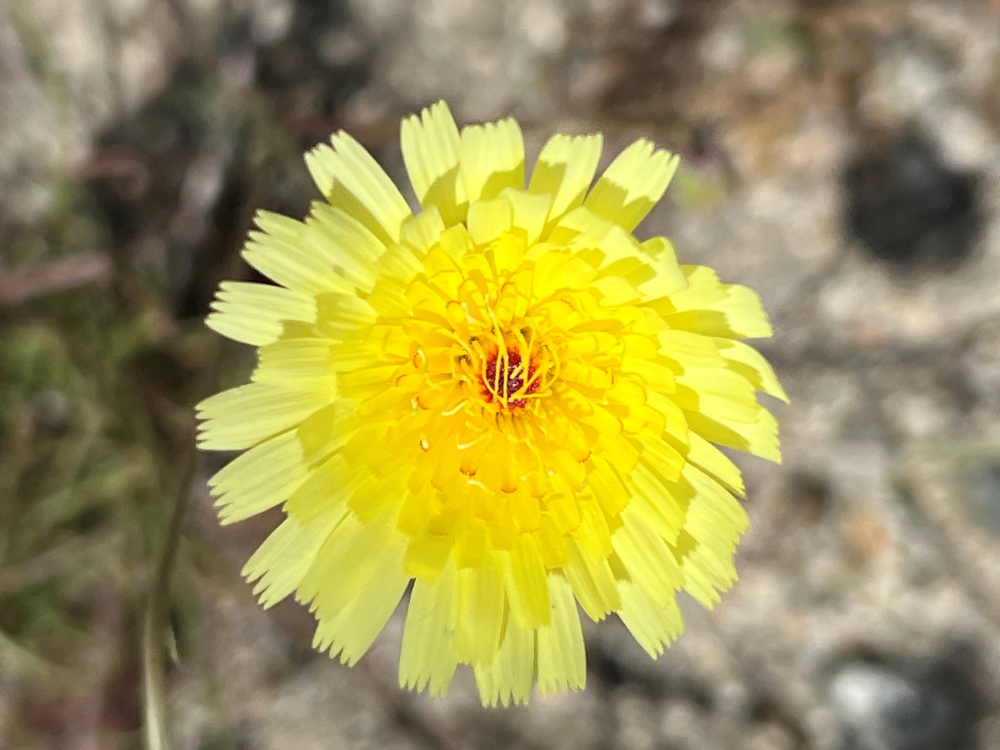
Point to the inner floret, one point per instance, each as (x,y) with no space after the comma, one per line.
(505,371)
(507,380)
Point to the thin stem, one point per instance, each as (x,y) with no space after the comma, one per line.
(156,733)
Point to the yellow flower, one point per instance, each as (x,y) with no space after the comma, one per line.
(505,399)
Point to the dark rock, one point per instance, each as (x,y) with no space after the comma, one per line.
(905,704)
(906,206)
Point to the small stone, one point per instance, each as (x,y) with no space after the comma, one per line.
(770,736)
(906,206)
(912,705)
(981,486)
(657,14)
(51,409)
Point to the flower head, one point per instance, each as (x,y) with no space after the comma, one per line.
(505,399)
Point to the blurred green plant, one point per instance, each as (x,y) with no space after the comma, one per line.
(94,423)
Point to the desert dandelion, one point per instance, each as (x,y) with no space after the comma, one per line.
(504,399)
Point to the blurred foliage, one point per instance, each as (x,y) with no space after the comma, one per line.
(94,412)
(98,379)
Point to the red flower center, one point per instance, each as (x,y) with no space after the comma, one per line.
(505,379)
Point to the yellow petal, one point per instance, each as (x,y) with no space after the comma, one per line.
(280,252)
(422,232)
(524,578)
(428,555)
(488,219)
(351,632)
(344,244)
(259,479)
(242,417)
(430,145)
(564,170)
(343,316)
(664,458)
(352,613)
(253,313)
(339,482)
(593,584)
(298,363)
(528,213)
(721,407)
(713,526)
(284,557)
(492,158)
(508,679)
(562,661)
(714,515)
(647,558)
(653,624)
(751,364)
(351,180)
(428,656)
(709,307)
(633,183)
(654,502)
(669,276)
(480,608)
(714,462)
(346,562)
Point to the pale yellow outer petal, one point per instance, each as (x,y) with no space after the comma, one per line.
(524,575)
(669,277)
(509,678)
(421,233)
(715,520)
(254,313)
(647,558)
(299,363)
(529,213)
(722,407)
(224,423)
(323,493)
(562,661)
(492,158)
(259,479)
(751,364)
(355,583)
(654,503)
(428,657)
(284,557)
(593,584)
(351,180)
(715,463)
(653,624)
(480,607)
(633,183)
(430,144)
(346,563)
(350,633)
(488,219)
(344,244)
(712,308)
(282,253)
(565,170)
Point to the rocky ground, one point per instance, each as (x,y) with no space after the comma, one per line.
(843,158)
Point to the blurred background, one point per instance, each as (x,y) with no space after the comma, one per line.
(843,158)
